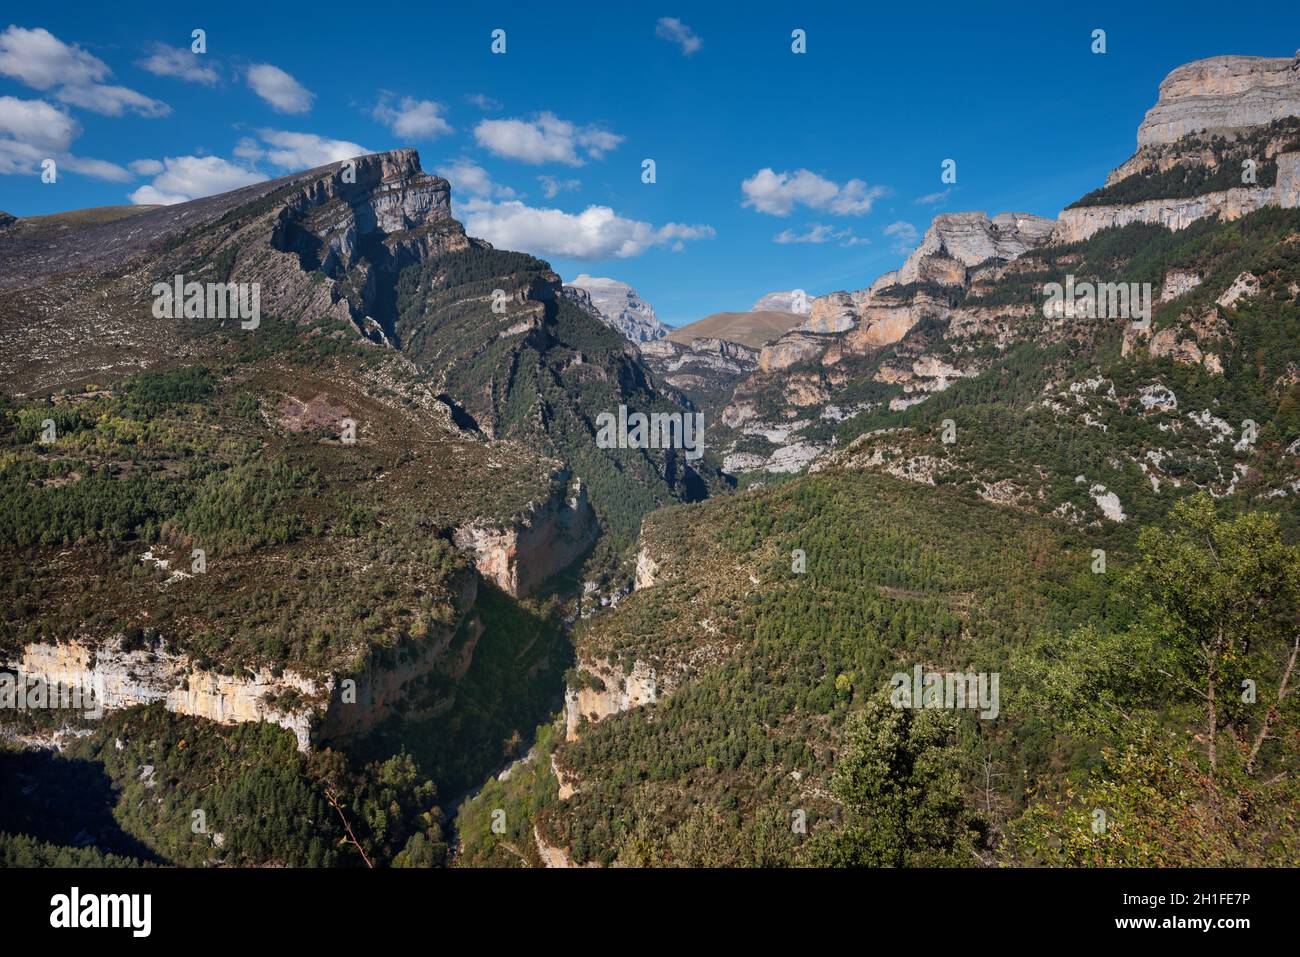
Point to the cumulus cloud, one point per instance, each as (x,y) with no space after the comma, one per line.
(484,102)
(189,177)
(596,233)
(545,139)
(552,187)
(468,178)
(296,151)
(42,61)
(37,124)
(904,235)
(820,233)
(778,193)
(413,119)
(282,91)
(180,62)
(33,130)
(674,31)
(146,167)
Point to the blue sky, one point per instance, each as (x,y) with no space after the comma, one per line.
(544,144)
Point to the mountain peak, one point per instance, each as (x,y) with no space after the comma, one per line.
(618,305)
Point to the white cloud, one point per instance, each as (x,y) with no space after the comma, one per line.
(930,198)
(674,31)
(552,187)
(249,149)
(146,167)
(180,62)
(484,102)
(283,92)
(778,193)
(43,61)
(819,233)
(595,233)
(300,150)
(33,130)
(413,119)
(544,139)
(37,124)
(189,177)
(904,235)
(113,100)
(466,176)
(100,169)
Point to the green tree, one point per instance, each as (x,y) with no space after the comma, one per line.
(898,777)
(1221,596)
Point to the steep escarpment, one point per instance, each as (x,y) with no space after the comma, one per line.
(519,359)
(705,370)
(1222,93)
(315,707)
(76,295)
(547,539)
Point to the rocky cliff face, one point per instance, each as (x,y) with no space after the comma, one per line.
(1081,222)
(121,679)
(316,708)
(549,538)
(1222,93)
(618,305)
(972,238)
(327,242)
(610,693)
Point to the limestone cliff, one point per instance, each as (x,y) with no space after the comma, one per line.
(317,708)
(608,691)
(547,539)
(972,238)
(1222,93)
(1080,222)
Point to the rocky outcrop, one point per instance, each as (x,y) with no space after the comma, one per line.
(553,856)
(972,238)
(606,691)
(359,224)
(316,708)
(1222,93)
(618,306)
(1080,222)
(122,679)
(1179,282)
(791,349)
(836,312)
(546,540)
(1243,287)
(703,355)
(646,570)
